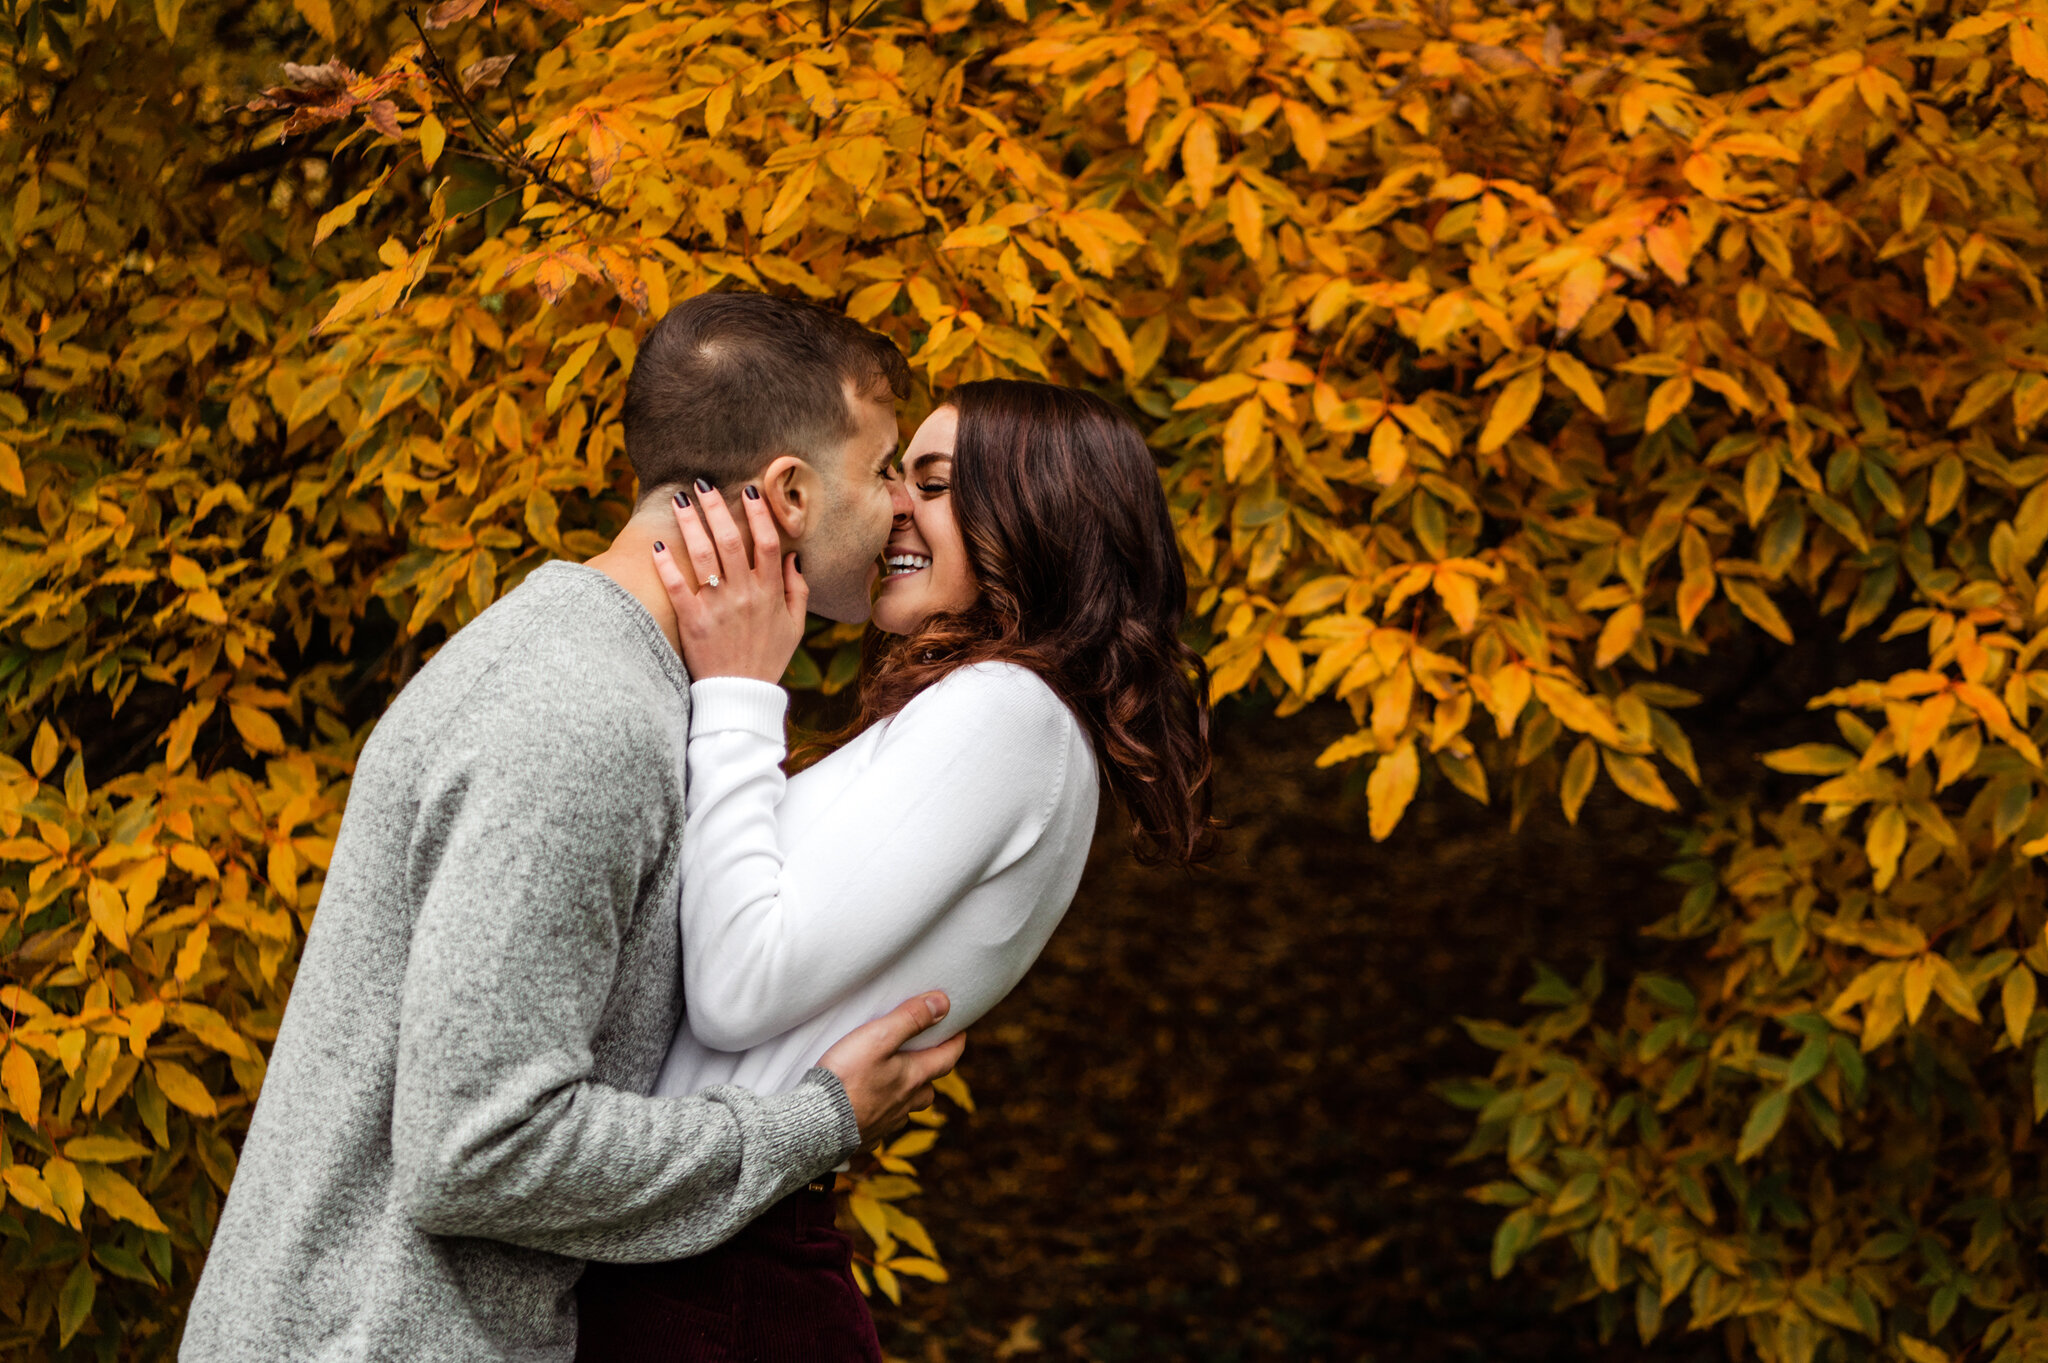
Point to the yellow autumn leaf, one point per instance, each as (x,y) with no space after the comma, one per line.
(118,1198)
(27,1187)
(43,755)
(1512,409)
(1460,595)
(320,15)
(1387,454)
(109,913)
(183,1088)
(1754,602)
(1579,771)
(1637,778)
(1241,436)
(1883,844)
(1618,634)
(67,1189)
(22,1083)
(1390,788)
(1667,400)
(2016,1001)
(1228,388)
(1247,219)
(433,137)
(257,729)
(1573,374)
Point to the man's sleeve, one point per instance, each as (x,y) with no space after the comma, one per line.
(537,849)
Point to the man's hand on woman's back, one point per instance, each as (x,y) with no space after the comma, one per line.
(885,1082)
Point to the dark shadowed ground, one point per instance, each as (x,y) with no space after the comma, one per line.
(1205,1127)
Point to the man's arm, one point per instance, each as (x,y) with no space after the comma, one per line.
(498,1129)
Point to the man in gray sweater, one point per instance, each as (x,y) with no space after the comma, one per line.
(455,1117)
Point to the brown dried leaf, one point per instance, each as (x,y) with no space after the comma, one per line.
(451,12)
(482,75)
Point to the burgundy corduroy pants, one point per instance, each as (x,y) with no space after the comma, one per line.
(781,1291)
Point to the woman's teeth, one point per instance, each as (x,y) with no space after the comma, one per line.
(901,565)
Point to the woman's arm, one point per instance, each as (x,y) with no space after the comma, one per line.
(963,784)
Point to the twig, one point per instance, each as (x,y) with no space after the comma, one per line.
(852,22)
(500,151)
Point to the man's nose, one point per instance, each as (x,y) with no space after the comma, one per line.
(899,502)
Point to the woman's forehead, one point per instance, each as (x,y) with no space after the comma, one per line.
(933,440)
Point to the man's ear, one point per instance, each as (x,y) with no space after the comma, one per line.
(791,488)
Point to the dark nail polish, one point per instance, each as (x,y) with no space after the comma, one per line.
(753,493)
(703,485)
(660,548)
(681,500)
(798,560)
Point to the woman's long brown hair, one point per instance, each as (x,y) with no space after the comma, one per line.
(1068,535)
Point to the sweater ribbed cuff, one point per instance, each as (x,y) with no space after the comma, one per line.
(836,1131)
(719,704)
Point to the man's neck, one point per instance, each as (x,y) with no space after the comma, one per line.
(629,561)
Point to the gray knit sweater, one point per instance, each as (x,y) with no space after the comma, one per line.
(455,1115)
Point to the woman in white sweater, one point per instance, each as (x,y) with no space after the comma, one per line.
(1026,657)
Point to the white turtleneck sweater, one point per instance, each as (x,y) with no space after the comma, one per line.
(937,850)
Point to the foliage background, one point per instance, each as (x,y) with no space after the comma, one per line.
(1514,368)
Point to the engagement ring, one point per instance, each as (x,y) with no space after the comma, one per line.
(711,581)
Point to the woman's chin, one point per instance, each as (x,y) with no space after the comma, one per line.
(896,612)
(895,621)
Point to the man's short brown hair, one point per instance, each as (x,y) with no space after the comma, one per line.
(728,381)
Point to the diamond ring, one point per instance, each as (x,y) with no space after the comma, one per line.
(711,581)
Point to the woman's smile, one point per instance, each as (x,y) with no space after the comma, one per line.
(924,566)
(896,563)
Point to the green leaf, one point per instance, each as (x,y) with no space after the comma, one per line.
(1811,1059)
(1671,993)
(1603,1257)
(74,1301)
(1514,1235)
(2041,1079)
(123,1264)
(1764,1120)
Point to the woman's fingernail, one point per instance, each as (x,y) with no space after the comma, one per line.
(682,500)
(703,485)
(660,548)
(798,560)
(753,493)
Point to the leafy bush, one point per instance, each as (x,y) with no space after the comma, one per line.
(1507,360)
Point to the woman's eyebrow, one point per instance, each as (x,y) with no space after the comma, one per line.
(930,457)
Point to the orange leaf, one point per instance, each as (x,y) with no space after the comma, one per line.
(2029,53)
(1200,159)
(1387,455)
(1941,272)
(1581,288)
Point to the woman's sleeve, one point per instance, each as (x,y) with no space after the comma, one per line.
(963,783)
